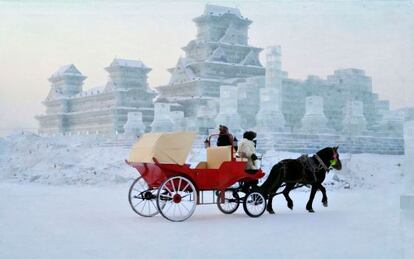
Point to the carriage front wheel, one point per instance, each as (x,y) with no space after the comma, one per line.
(229,203)
(177,198)
(142,199)
(254,204)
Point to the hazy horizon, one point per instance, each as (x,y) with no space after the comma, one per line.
(318,37)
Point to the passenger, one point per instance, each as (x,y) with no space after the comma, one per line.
(225,138)
(247,149)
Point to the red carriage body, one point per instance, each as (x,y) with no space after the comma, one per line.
(229,173)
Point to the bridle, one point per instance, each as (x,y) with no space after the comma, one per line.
(322,165)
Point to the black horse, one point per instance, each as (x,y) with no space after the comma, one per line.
(302,171)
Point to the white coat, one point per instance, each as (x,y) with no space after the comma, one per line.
(245,150)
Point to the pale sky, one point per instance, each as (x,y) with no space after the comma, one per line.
(317,37)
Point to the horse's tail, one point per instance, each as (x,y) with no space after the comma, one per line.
(273,179)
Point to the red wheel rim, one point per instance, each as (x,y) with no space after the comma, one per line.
(177,198)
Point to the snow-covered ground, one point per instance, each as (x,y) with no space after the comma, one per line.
(63,198)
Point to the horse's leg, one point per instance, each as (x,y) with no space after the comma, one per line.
(324,197)
(274,189)
(311,197)
(269,204)
(288,188)
(270,186)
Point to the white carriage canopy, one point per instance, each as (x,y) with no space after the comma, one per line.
(167,148)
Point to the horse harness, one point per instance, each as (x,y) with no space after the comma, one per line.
(311,166)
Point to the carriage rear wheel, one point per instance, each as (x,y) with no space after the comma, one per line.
(142,199)
(230,203)
(177,198)
(254,204)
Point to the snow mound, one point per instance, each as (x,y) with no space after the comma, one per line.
(28,157)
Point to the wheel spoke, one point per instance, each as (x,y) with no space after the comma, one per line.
(168,189)
(179,184)
(153,204)
(173,186)
(143,207)
(171,204)
(185,207)
(138,203)
(188,183)
(143,186)
(179,209)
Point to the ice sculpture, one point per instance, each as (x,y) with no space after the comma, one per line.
(162,119)
(354,123)
(314,120)
(134,125)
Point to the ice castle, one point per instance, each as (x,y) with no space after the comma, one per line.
(220,80)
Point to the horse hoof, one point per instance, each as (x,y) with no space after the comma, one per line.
(271,211)
(311,210)
(325,204)
(290,207)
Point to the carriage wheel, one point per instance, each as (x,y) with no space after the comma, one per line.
(142,199)
(231,202)
(254,204)
(177,198)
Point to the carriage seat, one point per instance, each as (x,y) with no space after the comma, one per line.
(217,155)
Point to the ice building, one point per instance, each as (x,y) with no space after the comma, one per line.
(220,55)
(71,110)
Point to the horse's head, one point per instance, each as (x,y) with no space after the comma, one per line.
(330,157)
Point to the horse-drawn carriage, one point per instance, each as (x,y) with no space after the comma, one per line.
(169,186)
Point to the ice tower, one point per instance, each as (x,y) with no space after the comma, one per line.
(219,53)
(270,118)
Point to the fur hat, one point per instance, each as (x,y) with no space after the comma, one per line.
(250,135)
